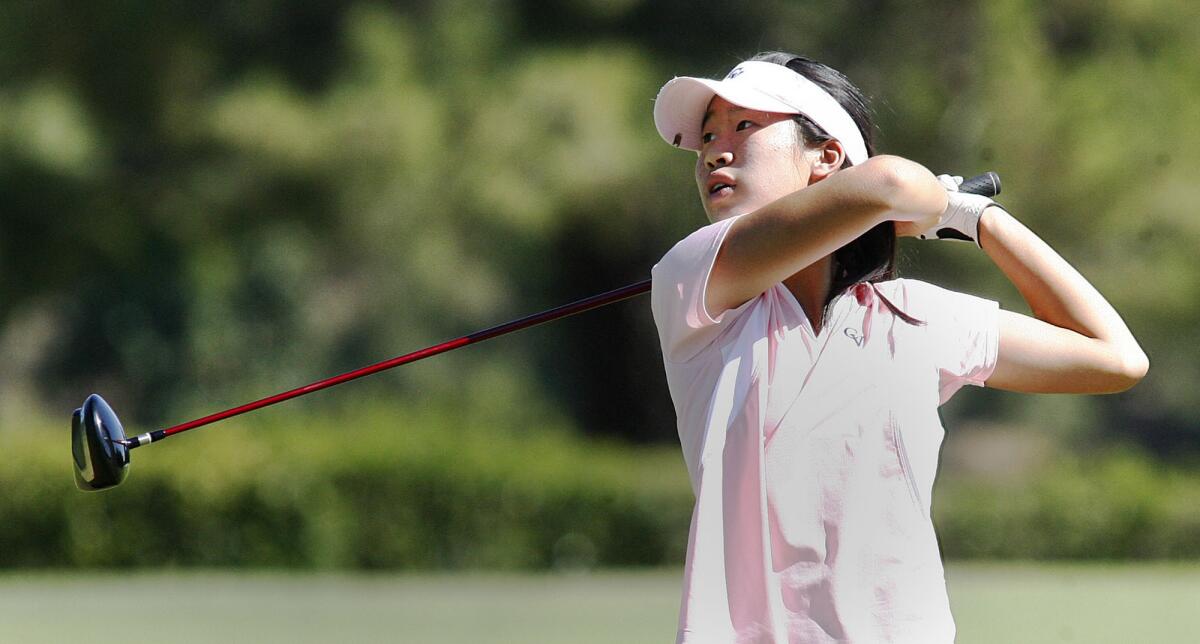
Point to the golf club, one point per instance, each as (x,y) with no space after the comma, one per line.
(100,449)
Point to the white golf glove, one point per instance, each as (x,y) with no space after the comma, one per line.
(960,220)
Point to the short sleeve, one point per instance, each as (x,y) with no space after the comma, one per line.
(680,284)
(962,334)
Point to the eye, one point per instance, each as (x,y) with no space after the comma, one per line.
(743,125)
(707,137)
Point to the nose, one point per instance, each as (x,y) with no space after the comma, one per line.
(714,159)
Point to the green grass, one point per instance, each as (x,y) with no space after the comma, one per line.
(993,603)
(1094,603)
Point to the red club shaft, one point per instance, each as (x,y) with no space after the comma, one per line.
(985,184)
(535,319)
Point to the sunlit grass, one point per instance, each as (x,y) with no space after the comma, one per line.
(1094,603)
(993,603)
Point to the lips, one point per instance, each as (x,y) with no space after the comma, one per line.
(719,185)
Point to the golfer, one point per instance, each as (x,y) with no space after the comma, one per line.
(806,377)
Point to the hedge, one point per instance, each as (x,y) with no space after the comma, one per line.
(1113,504)
(395,490)
(382,490)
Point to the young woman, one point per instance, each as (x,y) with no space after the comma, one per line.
(806,378)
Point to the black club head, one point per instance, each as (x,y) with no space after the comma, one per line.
(98,446)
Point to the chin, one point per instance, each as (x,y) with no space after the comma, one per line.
(725,212)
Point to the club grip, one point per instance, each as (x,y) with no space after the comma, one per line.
(986,184)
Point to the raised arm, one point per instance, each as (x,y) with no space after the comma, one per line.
(1075,342)
(780,239)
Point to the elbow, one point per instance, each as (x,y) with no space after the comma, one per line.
(1135,367)
(1129,370)
(905,186)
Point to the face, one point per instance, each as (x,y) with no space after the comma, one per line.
(747,159)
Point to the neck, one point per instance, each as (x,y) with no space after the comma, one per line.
(811,288)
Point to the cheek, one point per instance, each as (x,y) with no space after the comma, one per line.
(780,137)
(779,162)
(779,143)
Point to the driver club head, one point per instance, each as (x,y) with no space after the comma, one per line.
(97,446)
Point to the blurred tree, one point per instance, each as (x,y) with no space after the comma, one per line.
(205,202)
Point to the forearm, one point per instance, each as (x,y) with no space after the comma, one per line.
(773,243)
(1059,295)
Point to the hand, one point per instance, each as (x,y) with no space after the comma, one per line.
(960,220)
(950,183)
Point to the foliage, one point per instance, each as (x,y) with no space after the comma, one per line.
(201,202)
(1107,506)
(388,488)
(435,488)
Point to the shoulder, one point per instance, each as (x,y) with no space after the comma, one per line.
(914,297)
(680,278)
(904,286)
(679,291)
(920,297)
(949,318)
(694,251)
(936,309)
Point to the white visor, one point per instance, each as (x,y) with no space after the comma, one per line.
(757,85)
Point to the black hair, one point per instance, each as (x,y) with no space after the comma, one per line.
(871,257)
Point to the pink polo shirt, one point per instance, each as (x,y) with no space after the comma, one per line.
(812,456)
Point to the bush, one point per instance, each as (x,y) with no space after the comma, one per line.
(383,490)
(393,489)
(1117,504)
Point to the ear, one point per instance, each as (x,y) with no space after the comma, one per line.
(826,158)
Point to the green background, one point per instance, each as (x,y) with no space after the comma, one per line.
(202,203)
(991,604)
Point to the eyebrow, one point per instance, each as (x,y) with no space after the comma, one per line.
(709,113)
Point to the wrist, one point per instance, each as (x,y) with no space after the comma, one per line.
(960,220)
(989,223)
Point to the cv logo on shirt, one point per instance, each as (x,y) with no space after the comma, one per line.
(853,335)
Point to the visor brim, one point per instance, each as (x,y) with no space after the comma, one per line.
(681,104)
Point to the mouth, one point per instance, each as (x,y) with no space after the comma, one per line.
(719,188)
